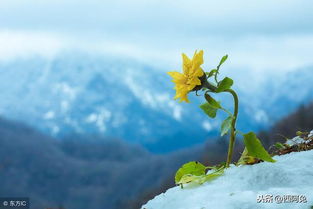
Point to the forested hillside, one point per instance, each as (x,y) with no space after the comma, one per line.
(80,171)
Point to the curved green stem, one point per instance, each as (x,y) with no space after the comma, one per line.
(233,127)
(213,88)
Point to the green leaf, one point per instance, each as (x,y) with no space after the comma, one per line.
(225,84)
(224,58)
(241,160)
(209,109)
(245,158)
(190,178)
(226,125)
(279,145)
(191,168)
(299,133)
(211,73)
(212,101)
(255,148)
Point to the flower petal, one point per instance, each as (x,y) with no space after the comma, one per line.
(189,79)
(186,64)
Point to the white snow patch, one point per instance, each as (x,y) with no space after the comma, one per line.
(66,89)
(240,187)
(49,115)
(296,140)
(207,125)
(91,118)
(99,119)
(55,130)
(145,96)
(64,106)
(162,97)
(155,100)
(260,116)
(177,110)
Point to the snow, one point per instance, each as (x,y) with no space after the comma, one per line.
(49,115)
(240,187)
(297,140)
(207,125)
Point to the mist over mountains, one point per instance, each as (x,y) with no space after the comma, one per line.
(83,94)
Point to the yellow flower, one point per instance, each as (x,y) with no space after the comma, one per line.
(189,79)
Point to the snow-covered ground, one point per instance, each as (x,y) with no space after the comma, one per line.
(243,187)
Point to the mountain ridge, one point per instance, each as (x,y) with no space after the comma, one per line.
(115,97)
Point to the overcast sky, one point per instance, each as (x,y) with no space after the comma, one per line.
(258,35)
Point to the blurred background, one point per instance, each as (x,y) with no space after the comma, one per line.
(87,116)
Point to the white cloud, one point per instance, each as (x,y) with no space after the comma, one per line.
(140,14)
(259,36)
(260,54)
(23,44)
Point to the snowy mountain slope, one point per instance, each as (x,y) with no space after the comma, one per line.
(92,94)
(291,90)
(264,185)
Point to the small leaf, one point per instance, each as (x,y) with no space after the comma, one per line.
(245,158)
(225,84)
(298,133)
(209,109)
(243,155)
(224,58)
(191,168)
(211,73)
(212,101)
(190,178)
(255,148)
(226,125)
(279,145)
